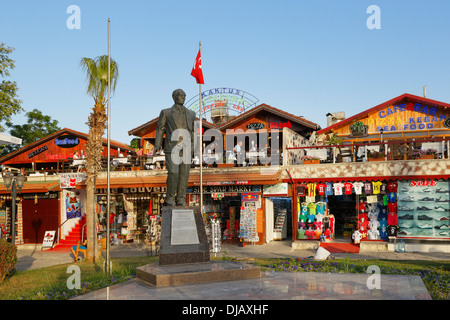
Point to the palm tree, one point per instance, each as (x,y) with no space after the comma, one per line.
(97,78)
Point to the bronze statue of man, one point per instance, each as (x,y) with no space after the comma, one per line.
(177,123)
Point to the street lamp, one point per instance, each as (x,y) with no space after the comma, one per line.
(15,182)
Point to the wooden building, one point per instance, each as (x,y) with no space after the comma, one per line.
(44,200)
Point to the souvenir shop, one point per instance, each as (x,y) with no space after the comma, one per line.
(278,208)
(347,211)
(135,213)
(373,210)
(233,213)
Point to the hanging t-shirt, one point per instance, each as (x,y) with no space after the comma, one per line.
(392,196)
(301,190)
(376,187)
(338,188)
(358,187)
(392,231)
(312,208)
(329,189)
(367,188)
(310,234)
(321,188)
(305,209)
(383,189)
(319,217)
(361,206)
(301,234)
(311,189)
(392,219)
(392,207)
(348,188)
(392,186)
(321,208)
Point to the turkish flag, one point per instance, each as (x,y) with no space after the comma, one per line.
(197,72)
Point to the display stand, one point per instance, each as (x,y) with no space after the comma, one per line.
(280,230)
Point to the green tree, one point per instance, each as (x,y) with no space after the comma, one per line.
(97,78)
(37,127)
(9,102)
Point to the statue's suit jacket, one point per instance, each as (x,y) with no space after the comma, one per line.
(168,122)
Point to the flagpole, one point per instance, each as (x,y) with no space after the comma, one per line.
(108,254)
(201,140)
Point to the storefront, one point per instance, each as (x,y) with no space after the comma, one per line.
(134,212)
(238,210)
(37,211)
(386,187)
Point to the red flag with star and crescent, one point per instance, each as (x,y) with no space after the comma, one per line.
(197,72)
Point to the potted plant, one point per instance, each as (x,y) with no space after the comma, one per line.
(310,160)
(417,154)
(430,154)
(375,155)
(423,154)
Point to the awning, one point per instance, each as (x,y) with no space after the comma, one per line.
(254,178)
(377,178)
(34,187)
(7,139)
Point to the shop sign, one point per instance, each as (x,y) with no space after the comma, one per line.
(217,195)
(225,189)
(34,196)
(36,152)
(70,180)
(280,125)
(67,141)
(132,190)
(276,189)
(255,126)
(235,100)
(49,238)
(426,183)
(408,117)
(250,196)
(241,182)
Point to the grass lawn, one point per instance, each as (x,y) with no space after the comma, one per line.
(51,283)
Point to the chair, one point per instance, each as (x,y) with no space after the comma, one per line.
(78,250)
(102,244)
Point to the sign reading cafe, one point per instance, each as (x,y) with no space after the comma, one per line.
(408,116)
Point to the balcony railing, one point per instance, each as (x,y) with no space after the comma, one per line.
(354,152)
(371,151)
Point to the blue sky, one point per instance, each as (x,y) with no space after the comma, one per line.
(305,57)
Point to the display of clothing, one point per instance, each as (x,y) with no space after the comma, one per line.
(358,186)
(321,189)
(376,187)
(311,189)
(392,219)
(338,188)
(348,188)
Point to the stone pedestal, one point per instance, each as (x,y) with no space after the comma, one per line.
(191,273)
(184,253)
(183,236)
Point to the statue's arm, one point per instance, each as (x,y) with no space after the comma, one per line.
(160,130)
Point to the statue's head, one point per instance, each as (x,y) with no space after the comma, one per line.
(179,96)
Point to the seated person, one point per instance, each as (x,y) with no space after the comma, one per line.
(83,246)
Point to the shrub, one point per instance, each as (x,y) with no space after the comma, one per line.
(8,258)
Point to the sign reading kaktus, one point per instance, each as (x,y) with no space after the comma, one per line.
(184,229)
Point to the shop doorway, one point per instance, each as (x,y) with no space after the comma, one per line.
(344,212)
(279,217)
(39,217)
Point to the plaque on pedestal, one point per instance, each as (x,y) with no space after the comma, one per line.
(183,236)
